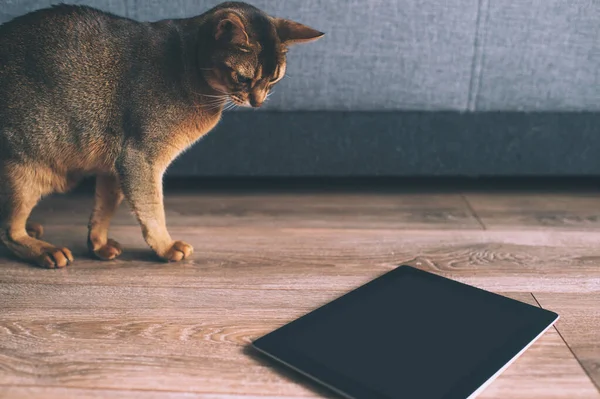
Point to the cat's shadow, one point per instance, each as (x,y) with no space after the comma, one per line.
(289,374)
(132,255)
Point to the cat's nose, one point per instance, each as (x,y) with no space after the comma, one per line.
(257,98)
(256,103)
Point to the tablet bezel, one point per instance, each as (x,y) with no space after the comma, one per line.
(275,345)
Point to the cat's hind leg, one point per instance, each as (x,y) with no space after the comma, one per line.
(21,187)
(108,198)
(36,230)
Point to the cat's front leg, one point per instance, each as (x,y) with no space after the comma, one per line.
(141,182)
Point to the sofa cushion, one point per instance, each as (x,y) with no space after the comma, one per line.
(376,54)
(541,55)
(460,55)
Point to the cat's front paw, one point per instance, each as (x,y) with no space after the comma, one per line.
(35,230)
(178,251)
(109,251)
(52,258)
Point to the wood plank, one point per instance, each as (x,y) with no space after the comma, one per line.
(34,392)
(205,351)
(319,210)
(546,370)
(544,210)
(579,325)
(55,296)
(134,325)
(204,354)
(306,259)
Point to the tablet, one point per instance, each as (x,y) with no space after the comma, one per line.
(409,334)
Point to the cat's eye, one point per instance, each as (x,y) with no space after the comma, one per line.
(243,79)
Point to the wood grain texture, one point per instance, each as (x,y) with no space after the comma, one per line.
(579,325)
(298,258)
(319,210)
(206,351)
(547,211)
(34,392)
(546,370)
(135,328)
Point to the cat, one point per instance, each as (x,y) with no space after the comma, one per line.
(85,92)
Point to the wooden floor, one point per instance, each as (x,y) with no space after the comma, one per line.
(135,328)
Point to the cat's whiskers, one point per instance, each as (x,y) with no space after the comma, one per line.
(230,106)
(215,100)
(224,92)
(222,97)
(210,107)
(210,103)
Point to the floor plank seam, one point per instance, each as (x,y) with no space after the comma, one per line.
(472,210)
(570,349)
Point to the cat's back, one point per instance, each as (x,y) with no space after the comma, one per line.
(62,19)
(58,23)
(61,41)
(61,70)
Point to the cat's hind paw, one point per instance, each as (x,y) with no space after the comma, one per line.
(179,251)
(111,250)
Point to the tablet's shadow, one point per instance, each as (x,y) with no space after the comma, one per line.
(290,374)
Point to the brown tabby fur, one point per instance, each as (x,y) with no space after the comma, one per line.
(84,92)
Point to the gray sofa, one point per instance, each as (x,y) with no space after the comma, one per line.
(411,88)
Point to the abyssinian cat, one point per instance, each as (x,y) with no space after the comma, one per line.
(84,92)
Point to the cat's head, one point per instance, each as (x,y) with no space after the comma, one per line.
(248,51)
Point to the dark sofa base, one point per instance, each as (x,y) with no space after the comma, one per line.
(347,144)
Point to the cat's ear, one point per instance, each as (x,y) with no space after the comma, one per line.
(291,32)
(231,28)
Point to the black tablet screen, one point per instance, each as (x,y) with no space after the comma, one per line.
(413,336)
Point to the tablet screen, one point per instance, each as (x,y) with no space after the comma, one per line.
(412,334)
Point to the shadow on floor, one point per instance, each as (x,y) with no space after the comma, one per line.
(289,374)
